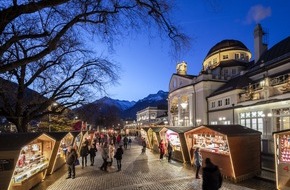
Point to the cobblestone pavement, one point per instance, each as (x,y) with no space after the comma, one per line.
(142,172)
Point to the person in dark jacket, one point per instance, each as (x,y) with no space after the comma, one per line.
(71,158)
(92,152)
(84,153)
(125,141)
(197,162)
(118,156)
(169,151)
(212,178)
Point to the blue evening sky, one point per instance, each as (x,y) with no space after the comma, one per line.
(147,64)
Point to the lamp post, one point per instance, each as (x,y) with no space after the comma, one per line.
(233,113)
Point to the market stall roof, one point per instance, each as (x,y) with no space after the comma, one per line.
(57,135)
(15,141)
(75,133)
(282,131)
(156,129)
(146,128)
(180,129)
(230,130)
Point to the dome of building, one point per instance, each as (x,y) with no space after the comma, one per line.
(225,45)
(227,53)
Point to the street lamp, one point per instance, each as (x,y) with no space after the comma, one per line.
(184,105)
(198,121)
(222,119)
(54,104)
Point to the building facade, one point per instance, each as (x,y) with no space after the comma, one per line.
(232,89)
(151,115)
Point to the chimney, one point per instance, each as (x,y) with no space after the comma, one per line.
(259,46)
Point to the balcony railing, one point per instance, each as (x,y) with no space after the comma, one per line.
(279,80)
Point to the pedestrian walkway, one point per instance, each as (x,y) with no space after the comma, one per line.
(142,172)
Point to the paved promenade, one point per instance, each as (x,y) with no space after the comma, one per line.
(142,172)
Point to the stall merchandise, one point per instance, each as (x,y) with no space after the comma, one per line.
(282,159)
(29,154)
(234,148)
(175,135)
(63,141)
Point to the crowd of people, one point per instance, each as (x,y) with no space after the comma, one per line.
(112,148)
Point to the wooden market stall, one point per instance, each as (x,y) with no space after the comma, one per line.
(175,135)
(24,159)
(282,159)
(78,138)
(62,141)
(144,134)
(234,148)
(155,137)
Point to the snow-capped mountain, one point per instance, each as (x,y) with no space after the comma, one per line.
(122,108)
(161,95)
(120,104)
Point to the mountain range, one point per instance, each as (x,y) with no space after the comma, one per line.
(124,109)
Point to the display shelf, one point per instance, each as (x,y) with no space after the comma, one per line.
(211,143)
(28,172)
(285,148)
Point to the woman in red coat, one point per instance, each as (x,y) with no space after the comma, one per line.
(161,149)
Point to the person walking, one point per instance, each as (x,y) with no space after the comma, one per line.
(211,176)
(161,149)
(84,153)
(197,161)
(143,145)
(125,141)
(92,152)
(105,156)
(118,157)
(71,158)
(129,142)
(118,139)
(111,154)
(169,151)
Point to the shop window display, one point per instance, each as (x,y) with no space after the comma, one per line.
(30,161)
(174,140)
(65,143)
(211,142)
(285,148)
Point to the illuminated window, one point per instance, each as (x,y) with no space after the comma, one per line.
(214,61)
(237,56)
(253,120)
(225,56)
(242,56)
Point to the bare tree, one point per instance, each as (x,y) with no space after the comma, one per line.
(38,26)
(42,48)
(60,86)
